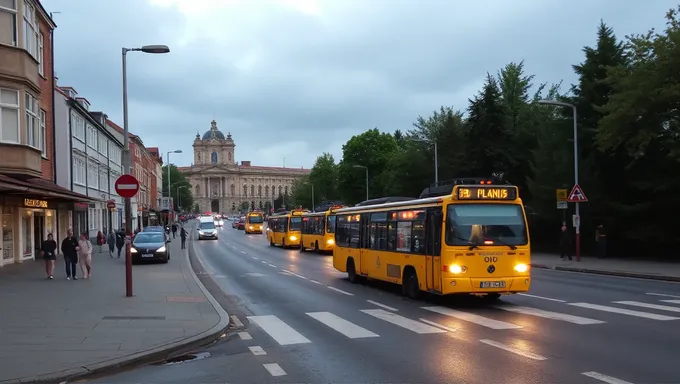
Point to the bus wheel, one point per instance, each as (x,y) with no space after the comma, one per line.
(302,246)
(316,246)
(352,272)
(492,296)
(409,285)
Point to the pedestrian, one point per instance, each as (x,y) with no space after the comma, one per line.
(174,230)
(120,241)
(601,239)
(69,248)
(111,241)
(49,254)
(101,240)
(183,235)
(85,255)
(565,243)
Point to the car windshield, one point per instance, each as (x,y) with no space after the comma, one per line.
(149,237)
(472,224)
(207,225)
(256,219)
(153,229)
(295,224)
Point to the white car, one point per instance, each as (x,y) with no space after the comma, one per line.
(219,223)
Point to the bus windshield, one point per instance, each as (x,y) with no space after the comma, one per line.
(295,224)
(255,219)
(472,224)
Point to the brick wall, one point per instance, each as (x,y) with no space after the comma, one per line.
(46,100)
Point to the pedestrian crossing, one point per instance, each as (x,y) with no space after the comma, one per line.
(440,318)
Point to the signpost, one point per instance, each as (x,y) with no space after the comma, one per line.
(576,195)
(127,186)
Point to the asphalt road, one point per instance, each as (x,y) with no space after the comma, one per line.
(298,320)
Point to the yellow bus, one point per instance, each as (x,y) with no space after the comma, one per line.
(254,222)
(469,239)
(284,228)
(318,230)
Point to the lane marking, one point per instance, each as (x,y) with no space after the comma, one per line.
(472,318)
(263,262)
(243,252)
(254,258)
(513,350)
(550,315)
(411,325)
(255,274)
(245,336)
(650,306)
(315,282)
(237,322)
(605,378)
(340,290)
(295,274)
(663,294)
(444,327)
(671,301)
(233,247)
(623,311)
(257,350)
(283,333)
(284,273)
(272,265)
(542,297)
(382,305)
(341,325)
(274,369)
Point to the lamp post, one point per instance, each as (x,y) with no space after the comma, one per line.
(179,197)
(365,168)
(168,165)
(436,158)
(578,216)
(126,158)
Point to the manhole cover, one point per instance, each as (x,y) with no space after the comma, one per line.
(185,299)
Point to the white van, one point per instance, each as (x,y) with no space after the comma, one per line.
(206,228)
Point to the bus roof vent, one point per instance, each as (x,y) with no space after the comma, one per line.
(445,187)
(328,204)
(384,200)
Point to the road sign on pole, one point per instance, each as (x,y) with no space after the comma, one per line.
(561,194)
(562,205)
(576,195)
(127,186)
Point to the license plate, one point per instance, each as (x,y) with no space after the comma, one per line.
(492,284)
(147,255)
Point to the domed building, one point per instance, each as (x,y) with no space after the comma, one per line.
(220,184)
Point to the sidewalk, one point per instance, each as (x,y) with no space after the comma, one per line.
(52,330)
(613,267)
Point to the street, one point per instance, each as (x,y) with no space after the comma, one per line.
(296,319)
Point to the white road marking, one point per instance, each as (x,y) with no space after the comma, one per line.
(542,297)
(315,282)
(411,325)
(295,274)
(274,369)
(663,294)
(340,290)
(283,333)
(272,265)
(382,305)
(437,325)
(237,322)
(472,318)
(513,349)
(254,258)
(623,311)
(605,378)
(550,315)
(255,274)
(233,247)
(263,262)
(257,350)
(671,301)
(650,306)
(243,252)
(341,325)
(284,273)
(245,336)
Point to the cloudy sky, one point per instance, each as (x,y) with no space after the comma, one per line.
(292,79)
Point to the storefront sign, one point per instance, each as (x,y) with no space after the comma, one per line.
(35,203)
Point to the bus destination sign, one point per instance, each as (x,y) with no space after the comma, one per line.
(487,193)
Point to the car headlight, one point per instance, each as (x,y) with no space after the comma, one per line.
(133,250)
(161,249)
(201,233)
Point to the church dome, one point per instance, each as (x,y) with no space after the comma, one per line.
(213,133)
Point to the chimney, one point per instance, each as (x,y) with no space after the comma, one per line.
(245,163)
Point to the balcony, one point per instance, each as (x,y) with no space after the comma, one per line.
(20,161)
(18,66)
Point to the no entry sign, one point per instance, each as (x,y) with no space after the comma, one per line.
(127,186)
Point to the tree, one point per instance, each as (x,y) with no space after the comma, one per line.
(301,194)
(324,178)
(180,188)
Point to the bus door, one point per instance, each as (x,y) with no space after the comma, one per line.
(433,265)
(366,258)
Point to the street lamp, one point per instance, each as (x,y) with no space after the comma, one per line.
(179,197)
(366,168)
(575,117)
(126,158)
(436,158)
(168,165)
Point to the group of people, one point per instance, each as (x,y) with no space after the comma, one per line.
(75,251)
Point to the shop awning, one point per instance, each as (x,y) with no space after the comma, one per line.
(42,188)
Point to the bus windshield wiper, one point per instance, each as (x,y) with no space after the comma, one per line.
(501,242)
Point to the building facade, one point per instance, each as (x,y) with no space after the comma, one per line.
(31,204)
(93,157)
(220,184)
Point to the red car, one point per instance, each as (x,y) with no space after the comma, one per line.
(241,223)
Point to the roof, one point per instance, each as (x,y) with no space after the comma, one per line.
(257,168)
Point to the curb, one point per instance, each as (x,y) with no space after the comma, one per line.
(159,353)
(609,273)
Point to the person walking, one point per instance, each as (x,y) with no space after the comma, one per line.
(174,230)
(85,255)
(120,241)
(69,248)
(111,241)
(49,254)
(183,235)
(565,243)
(601,240)
(101,240)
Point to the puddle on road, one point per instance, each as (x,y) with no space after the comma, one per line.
(185,358)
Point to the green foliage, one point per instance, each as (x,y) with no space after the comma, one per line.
(180,189)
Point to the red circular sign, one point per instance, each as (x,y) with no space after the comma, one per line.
(110,204)
(127,186)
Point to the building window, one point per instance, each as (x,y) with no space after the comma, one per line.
(9,35)
(103,145)
(32,122)
(92,175)
(31,30)
(41,62)
(91,137)
(43,133)
(79,170)
(94,219)
(103,177)
(9,115)
(79,129)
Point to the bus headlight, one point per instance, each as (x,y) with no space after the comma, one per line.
(455,269)
(250,227)
(521,268)
(293,238)
(330,241)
